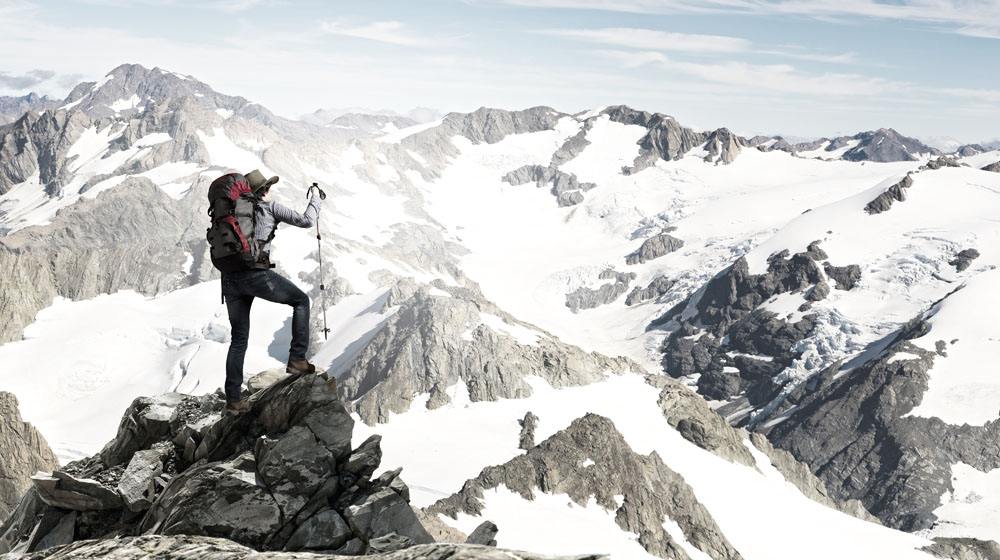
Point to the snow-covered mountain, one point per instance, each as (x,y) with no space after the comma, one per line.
(526,305)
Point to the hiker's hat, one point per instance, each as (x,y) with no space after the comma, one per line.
(258,182)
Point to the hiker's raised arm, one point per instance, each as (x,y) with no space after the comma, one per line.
(284,214)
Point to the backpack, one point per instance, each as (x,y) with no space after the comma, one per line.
(233,208)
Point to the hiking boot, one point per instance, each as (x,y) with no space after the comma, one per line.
(299,366)
(237,407)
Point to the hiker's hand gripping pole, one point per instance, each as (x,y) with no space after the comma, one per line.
(319,252)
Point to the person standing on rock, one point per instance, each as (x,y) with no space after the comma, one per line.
(241,287)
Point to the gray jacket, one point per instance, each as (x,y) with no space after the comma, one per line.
(273,213)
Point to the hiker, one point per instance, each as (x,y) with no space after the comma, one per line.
(252,275)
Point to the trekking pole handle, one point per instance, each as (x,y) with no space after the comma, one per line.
(322,195)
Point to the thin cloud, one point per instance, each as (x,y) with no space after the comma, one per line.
(653,39)
(24,81)
(974,18)
(657,40)
(782,78)
(391,32)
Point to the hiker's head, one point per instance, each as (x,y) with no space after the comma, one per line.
(259,184)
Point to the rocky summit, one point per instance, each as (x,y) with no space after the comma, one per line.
(282,476)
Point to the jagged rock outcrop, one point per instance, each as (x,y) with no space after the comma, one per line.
(186,547)
(896,192)
(589,298)
(565,186)
(963,259)
(734,346)
(651,491)
(282,476)
(101,246)
(23,452)
(964,549)
(38,145)
(528,425)
(994,167)
(654,247)
(723,146)
(433,342)
(657,287)
(666,139)
(883,145)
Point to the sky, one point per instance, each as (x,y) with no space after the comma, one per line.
(804,68)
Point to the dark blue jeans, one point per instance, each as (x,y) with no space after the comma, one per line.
(240,289)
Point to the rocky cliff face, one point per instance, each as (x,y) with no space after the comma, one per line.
(23,452)
(101,246)
(884,145)
(854,432)
(666,139)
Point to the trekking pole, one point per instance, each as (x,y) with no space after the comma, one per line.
(319,251)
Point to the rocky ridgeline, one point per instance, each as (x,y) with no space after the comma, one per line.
(282,476)
(23,451)
(882,145)
(12,108)
(590,460)
(432,342)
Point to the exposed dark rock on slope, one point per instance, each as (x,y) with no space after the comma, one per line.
(590,459)
(850,427)
(994,167)
(432,342)
(565,186)
(589,298)
(963,259)
(666,139)
(654,247)
(282,476)
(896,192)
(657,287)
(964,549)
(23,452)
(183,547)
(723,146)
